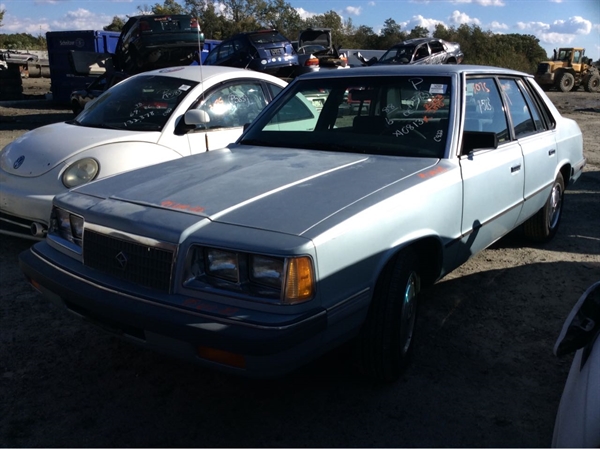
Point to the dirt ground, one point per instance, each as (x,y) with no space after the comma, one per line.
(483,374)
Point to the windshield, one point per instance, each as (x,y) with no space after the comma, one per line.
(141,103)
(399,116)
(398,55)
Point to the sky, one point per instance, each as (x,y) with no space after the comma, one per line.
(556,23)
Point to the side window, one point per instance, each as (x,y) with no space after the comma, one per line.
(577,57)
(483,110)
(540,124)
(436,47)
(234,105)
(422,52)
(275,89)
(517,108)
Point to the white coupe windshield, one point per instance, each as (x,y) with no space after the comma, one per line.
(141,103)
(399,116)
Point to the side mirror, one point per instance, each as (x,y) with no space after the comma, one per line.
(582,325)
(196,117)
(474,140)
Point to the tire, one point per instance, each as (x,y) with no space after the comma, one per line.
(543,225)
(565,82)
(592,83)
(384,345)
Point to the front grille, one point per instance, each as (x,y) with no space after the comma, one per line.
(142,264)
(543,68)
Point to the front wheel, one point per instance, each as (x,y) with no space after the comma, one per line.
(592,83)
(565,82)
(543,225)
(385,343)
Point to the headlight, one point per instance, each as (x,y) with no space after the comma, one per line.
(66,225)
(286,280)
(80,172)
(222,264)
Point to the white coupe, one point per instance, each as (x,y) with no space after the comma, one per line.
(152,117)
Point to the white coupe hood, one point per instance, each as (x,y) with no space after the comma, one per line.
(40,150)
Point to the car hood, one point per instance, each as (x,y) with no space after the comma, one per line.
(42,149)
(283,190)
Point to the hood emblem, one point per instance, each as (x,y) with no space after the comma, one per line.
(121,259)
(19,162)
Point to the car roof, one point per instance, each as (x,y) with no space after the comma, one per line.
(413,70)
(205,72)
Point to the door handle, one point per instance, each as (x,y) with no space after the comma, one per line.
(516,168)
(551,152)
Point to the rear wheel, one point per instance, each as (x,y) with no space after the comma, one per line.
(592,83)
(565,82)
(543,225)
(385,343)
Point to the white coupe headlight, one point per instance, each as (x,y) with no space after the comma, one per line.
(80,172)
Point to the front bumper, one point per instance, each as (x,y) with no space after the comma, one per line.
(21,205)
(271,344)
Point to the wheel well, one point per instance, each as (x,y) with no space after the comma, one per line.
(565,171)
(429,253)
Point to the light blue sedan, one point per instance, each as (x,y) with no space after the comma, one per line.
(318,226)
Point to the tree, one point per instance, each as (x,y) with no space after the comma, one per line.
(391,34)
(365,37)
(418,32)
(281,16)
(168,7)
(117,24)
(2,11)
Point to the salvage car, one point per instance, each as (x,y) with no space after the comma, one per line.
(148,118)
(316,51)
(157,41)
(315,228)
(578,417)
(420,51)
(266,51)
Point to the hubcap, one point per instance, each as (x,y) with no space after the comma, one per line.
(409,308)
(555,205)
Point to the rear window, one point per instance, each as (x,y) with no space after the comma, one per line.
(267,38)
(166,23)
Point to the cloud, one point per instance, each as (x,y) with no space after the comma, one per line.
(497,26)
(460,18)
(304,14)
(371,3)
(574,25)
(480,2)
(420,21)
(560,32)
(354,10)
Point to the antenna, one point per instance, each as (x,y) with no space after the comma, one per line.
(200,48)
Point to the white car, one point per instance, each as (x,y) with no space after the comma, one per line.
(149,118)
(578,417)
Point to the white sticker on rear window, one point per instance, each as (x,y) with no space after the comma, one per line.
(438,88)
(184,87)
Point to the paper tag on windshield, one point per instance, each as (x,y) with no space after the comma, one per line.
(437,89)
